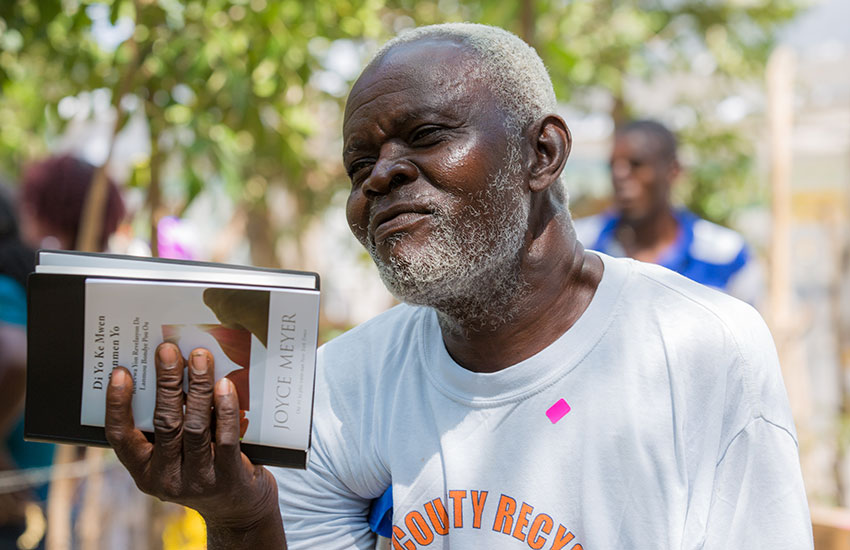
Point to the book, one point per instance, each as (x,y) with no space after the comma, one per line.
(88,313)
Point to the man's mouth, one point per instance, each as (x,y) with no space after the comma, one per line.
(397,218)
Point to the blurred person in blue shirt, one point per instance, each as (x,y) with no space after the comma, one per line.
(643,223)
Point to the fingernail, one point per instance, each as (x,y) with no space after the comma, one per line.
(200,363)
(224,387)
(168,355)
(118,378)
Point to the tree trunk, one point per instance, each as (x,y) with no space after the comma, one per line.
(91,224)
(261,236)
(61,495)
(154,198)
(785,325)
(527,21)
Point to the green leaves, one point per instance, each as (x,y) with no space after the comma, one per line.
(246,94)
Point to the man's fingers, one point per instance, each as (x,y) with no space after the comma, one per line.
(130,445)
(168,413)
(197,453)
(227,452)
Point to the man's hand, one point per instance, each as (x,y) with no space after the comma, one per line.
(237,499)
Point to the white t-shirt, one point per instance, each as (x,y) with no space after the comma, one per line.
(678,435)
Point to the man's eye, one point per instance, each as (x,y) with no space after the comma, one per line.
(356,167)
(426,134)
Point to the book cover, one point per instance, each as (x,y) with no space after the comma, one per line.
(125,320)
(263,338)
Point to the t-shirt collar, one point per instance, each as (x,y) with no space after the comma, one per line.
(530,375)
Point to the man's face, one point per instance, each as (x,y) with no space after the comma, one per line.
(436,189)
(642,177)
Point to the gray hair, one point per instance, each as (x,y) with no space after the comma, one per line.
(511,68)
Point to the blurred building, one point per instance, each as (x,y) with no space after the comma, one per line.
(821,238)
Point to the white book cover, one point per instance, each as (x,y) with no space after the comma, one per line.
(262,339)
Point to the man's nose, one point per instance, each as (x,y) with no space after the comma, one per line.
(390,171)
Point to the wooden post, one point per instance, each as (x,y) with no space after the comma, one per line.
(840,317)
(831,528)
(784,324)
(780,97)
(89,525)
(840,320)
(59,500)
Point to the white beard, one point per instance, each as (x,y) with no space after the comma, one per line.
(470,268)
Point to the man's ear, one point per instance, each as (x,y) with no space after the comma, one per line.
(550,141)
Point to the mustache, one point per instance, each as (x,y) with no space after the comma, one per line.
(435,207)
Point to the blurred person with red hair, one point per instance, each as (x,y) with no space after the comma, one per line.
(53,195)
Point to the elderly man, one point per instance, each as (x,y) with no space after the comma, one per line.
(528,393)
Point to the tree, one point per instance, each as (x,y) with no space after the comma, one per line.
(224,85)
(228,86)
(602,47)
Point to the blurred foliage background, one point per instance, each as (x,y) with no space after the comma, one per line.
(242,100)
(244,96)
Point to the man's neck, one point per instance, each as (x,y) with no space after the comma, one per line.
(647,239)
(559,281)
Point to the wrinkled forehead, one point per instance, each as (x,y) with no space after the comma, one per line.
(439,69)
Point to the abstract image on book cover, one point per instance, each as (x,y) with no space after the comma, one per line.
(243,314)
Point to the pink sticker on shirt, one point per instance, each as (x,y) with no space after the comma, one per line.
(558,411)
